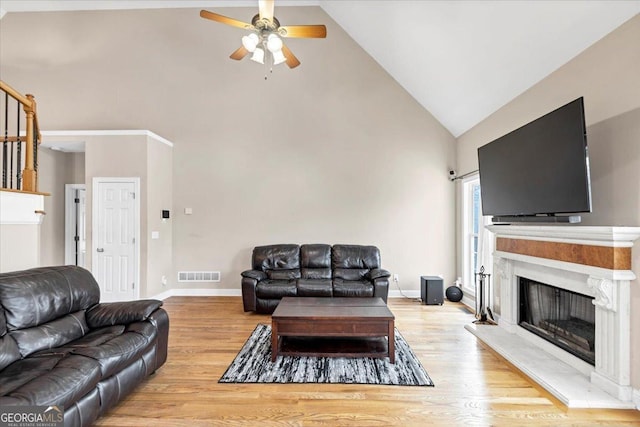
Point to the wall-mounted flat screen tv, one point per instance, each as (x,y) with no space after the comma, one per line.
(539,170)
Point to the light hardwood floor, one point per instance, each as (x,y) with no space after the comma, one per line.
(473,386)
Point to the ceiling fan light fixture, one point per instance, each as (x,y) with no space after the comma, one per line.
(274,43)
(265,38)
(250,42)
(258,55)
(278,57)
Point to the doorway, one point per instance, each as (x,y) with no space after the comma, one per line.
(75,236)
(115,237)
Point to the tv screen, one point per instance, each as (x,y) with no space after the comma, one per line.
(541,168)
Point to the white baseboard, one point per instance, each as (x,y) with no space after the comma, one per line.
(636,398)
(394,293)
(198,293)
(237,292)
(163,296)
(469,302)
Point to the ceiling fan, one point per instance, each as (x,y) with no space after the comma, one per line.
(267,35)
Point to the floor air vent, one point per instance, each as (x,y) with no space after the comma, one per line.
(198,276)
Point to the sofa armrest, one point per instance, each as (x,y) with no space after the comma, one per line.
(381,288)
(254,274)
(378,273)
(120,313)
(249,298)
(160,319)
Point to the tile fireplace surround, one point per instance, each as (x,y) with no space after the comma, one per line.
(593,261)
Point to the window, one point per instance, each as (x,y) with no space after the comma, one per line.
(472,223)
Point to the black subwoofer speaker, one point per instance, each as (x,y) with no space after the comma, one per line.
(431,290)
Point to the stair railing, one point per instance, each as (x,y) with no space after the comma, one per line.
(19,153)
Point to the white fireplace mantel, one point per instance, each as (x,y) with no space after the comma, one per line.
(605,236)
(593,261)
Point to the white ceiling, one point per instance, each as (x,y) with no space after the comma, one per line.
(461,60)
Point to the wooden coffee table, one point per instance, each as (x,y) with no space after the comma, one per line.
(333,327)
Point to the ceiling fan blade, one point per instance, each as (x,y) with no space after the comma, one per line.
(225,20)
(292,61)
(266,9)
(239,53)
(303,31)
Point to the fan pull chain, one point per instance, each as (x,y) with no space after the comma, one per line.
(270,67)
(266,75)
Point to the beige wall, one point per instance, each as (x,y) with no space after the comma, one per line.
(117,156)
(77,168)
(137,156)
(334,151)
(606,74)
(159,197)
(614,154)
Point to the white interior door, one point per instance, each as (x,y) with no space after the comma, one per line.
(115,237)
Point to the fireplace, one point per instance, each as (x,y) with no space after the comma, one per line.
(570,286)
(566,319)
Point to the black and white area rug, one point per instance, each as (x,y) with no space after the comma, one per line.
(253,365)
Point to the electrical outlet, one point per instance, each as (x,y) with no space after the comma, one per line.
(396,278)
(164,280)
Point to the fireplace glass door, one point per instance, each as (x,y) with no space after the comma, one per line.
(564,318)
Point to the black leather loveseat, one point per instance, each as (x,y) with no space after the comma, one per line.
(60,347)
(316,270)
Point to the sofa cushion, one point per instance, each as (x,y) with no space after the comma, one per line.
(283,274)
(350,273)
(352,288)
(52,380)
(9,352)
(316,273)
(276,257)
(92,339)
(25,370)
(315,256)
(315,288)
(355,256)
(98,336)
(315,261)
(120,351)
(51,334)
(33,297)
(270,289)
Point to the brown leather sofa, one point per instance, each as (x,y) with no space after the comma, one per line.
(315,270)
(60,347)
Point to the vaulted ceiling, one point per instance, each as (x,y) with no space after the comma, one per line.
(461,60)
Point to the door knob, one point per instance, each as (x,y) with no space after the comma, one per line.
(100,249)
